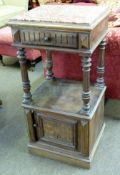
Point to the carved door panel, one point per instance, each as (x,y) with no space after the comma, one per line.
(63,132)
(56,131)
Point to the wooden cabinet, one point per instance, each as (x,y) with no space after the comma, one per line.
(54,119)
(65,117)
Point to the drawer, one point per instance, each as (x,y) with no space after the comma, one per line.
(49,38)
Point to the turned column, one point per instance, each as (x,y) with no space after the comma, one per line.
(49,64)
(27,97)
(86,63)
(100,68)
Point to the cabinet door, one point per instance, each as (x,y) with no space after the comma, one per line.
(59,130)
(56,130)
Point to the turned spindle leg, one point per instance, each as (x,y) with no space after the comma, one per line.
(86,63)
(27,98)
(100,67)
(49,64)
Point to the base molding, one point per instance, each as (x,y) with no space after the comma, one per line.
(70,157)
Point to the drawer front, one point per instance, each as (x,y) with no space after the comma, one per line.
(49,38)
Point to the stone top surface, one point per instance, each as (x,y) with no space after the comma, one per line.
(74,14)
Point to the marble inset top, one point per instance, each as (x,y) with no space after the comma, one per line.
(74,14)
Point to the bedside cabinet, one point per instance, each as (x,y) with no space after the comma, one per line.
(65,118)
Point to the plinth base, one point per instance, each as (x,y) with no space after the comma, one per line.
(52,152)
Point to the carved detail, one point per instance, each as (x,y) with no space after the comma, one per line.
(100,68)
(27,97)
(49,38)
(84,122)
(84,129)
(86,63)
(84,41)
(16,35)
(49,64)
(62,132)
(57,130)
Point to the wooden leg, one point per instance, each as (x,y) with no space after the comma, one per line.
(27,98)
(86,63)
(49,74)
(100,68)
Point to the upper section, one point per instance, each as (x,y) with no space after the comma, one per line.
(78,17)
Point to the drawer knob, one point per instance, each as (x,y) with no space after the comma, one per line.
(46,38)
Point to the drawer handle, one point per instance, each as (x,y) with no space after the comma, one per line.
(47,38)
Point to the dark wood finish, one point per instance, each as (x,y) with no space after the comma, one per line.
(71,37)
(31,125)
(49,38)
(59,154)
(86,63)
(100,68)
(49,64)
(95,125)
(27,98)
(61,124)
(69,137)
(56,113)
(63,95)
